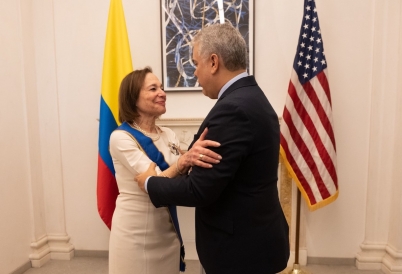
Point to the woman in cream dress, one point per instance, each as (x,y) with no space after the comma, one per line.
(143,239)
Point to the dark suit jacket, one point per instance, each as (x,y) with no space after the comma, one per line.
(240,226)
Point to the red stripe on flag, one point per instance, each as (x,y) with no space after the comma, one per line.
(305,153)
(297,171)
(107,192)
(309,125)
(326,123)
(322,78)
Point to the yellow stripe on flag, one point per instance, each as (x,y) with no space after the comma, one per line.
(117,60)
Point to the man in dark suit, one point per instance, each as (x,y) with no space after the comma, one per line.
(240,226)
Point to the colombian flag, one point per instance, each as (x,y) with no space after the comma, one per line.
(116,65)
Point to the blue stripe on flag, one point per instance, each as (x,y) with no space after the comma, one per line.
(106,127)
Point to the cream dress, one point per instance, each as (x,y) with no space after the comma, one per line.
(142,239)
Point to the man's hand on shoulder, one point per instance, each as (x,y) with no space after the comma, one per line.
(141,178)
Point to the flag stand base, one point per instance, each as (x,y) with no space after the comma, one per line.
(296,270)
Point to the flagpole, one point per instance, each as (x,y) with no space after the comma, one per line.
(296,267)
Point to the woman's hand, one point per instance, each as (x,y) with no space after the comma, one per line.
(140,178)
(199,154)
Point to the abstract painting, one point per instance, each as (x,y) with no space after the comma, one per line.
(180,22)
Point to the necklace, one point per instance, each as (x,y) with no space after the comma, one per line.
(136,126)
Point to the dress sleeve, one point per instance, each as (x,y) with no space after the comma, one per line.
(125,150)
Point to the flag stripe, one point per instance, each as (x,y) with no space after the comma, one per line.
(322,78)
(299,174)
(311,112)
(312,139)
(106,128)
(106,192)
(310,92)
(300,163)
(305,153)
(117,57)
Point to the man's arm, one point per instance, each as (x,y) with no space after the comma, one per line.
(199,155)
(231,128)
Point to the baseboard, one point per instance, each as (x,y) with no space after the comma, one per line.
(302,257)
(371,255)
(194,257)
(56,247)
(23,268)
(191,253)
(392,261)
(331,261)
(92,253)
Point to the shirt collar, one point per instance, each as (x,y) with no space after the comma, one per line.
(230,82)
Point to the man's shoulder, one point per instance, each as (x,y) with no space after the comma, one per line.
(245,92)
(245,82)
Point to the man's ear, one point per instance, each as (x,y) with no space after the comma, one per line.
(214,61)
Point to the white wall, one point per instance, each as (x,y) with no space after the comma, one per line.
(15,204)
(78,41)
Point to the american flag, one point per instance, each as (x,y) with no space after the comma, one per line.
(307,137)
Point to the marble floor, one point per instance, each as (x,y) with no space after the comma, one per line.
(93,265)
